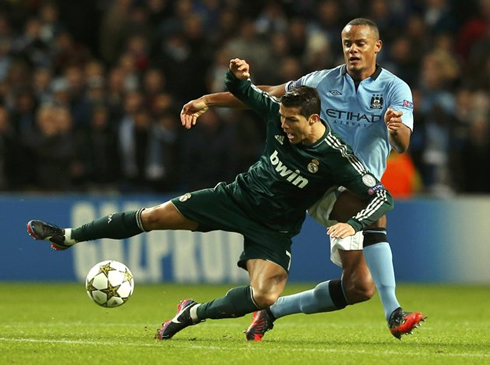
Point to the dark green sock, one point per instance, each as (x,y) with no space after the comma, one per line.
(236,303)
(116,225)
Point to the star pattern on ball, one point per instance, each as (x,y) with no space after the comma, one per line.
(111,291)
(127,276)
(109,284)
(106,269)
(90,285)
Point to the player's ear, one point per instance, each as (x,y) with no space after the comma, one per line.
(379,45)
(314,118)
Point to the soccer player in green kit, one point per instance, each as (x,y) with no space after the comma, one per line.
(371,109)
(302,159)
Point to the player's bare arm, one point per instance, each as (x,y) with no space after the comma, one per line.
(398,133)
(193,110)
(197,107)
(348,204)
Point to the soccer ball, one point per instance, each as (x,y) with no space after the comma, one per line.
(109,284)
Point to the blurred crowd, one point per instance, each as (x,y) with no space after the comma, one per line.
(90,91)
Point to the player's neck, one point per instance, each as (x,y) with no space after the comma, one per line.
(360,75)
(317,131)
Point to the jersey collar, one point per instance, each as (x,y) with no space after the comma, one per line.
(374,76)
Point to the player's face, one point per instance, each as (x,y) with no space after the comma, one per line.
(360,46)
(295,125)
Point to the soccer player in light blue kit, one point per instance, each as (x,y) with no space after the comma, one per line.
(372,111)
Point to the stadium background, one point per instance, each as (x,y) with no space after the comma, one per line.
(89,99)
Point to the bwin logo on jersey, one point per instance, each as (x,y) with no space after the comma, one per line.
(293,177)
(377,101)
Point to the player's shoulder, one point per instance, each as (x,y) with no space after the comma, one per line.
(328,73)
(390,79)
(331,72)
(335,142)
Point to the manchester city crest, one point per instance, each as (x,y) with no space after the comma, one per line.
(377,101)
(313,166)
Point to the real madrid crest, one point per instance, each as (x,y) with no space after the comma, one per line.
(313,166)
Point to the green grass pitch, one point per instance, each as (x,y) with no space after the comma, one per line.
(46,323)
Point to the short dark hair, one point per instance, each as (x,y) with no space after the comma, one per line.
(304,97)
(365,21)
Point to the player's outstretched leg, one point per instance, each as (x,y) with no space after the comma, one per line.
(43,231)
(180,321)
(403,323)
(119,225)
(263,321)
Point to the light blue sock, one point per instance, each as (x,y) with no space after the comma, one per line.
(311,301)
(379,259)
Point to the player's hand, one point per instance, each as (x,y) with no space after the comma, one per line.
(191,111)
(393,120)
(240,68)
(341,230)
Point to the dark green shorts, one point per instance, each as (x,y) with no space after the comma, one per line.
(214,209)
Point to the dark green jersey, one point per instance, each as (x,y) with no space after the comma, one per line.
(287,179)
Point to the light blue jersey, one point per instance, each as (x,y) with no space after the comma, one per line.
(358,115)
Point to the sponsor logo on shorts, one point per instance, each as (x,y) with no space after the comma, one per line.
(185,197)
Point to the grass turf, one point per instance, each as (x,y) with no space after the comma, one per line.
(46,323)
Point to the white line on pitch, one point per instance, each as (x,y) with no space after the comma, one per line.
(186,345)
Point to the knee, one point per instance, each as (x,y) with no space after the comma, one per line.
(264,298)
(165,216)
(151,218)
(358,291)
